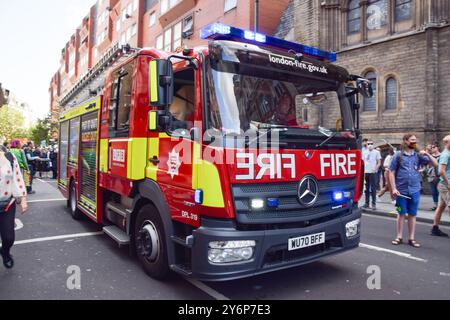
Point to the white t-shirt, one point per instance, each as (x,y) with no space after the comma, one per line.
(370,160)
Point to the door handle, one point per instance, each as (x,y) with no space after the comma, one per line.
(155,161)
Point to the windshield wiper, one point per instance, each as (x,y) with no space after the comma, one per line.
(334,134)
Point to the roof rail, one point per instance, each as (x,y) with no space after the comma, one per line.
(95,76)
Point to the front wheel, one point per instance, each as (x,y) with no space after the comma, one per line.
(151,247)
(74,211)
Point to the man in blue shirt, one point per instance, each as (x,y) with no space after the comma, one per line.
(405,181)
(443,188)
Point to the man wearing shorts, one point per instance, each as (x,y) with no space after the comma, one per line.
(405,178)
(443,188)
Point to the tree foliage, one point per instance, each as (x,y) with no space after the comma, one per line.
(41,131)
(11,124)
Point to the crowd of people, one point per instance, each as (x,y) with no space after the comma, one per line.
(33,161)
(19,165)
(400,174)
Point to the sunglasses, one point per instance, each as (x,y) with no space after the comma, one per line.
(370,144)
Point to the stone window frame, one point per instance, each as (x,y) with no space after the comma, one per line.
(376,91)
(387,78)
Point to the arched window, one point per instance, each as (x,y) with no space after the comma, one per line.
(403,10)
(391,94)
(370,104)
(354,17)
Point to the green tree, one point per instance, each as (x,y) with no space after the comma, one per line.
(11,124)
(41,131)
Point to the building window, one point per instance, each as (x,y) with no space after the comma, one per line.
(135,5)
(188,29)
(370,104)
(149,4)
(123,39)
(403,10)
(168,40)
(391,94)
(164,6)
(118,25)
(134,30)
(159,42)
(152,19)
(230,4)
(177,35)
(354,17)
(377,14)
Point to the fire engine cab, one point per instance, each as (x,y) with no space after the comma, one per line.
(220,162)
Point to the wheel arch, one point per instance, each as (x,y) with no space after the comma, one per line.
(149,192)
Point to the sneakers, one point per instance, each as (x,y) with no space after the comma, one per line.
(366,206)
(437,232)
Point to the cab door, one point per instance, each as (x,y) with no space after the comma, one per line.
(172,151)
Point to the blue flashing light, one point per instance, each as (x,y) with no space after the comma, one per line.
(338,196)
(218,31)
(273,202)
(198,196)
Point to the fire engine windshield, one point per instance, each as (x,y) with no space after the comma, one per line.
(255,96)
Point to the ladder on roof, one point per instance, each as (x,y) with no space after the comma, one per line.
(91,84)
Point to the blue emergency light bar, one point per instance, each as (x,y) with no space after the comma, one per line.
(218,31)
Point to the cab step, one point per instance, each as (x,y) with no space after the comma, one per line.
(117,235)
(183,269)
(186,242)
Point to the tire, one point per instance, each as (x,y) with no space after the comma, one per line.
(150,242)
(72,203)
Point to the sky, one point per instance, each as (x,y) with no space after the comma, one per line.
(32,35)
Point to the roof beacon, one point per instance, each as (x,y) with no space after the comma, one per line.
(218,31)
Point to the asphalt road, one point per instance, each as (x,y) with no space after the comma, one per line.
(48,241)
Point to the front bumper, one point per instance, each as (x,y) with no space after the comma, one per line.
(271,251)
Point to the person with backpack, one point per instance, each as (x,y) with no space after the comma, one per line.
(433,173)
(443,188)
(12,192)
(405,180)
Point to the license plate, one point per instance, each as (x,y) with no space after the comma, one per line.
(306,241)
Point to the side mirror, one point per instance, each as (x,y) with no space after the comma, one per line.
(161,82)
(365,87)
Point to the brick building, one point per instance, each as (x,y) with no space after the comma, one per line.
(402,46)
(164,24)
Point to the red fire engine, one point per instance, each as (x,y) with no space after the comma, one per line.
(219,162)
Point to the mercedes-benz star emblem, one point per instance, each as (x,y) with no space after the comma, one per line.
(307,154)
(308,191)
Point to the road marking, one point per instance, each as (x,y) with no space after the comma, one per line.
(398,253)
(19,224)
(208,290)
(393,218)
(68,236)
(46,200)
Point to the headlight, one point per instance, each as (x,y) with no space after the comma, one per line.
(230,251)
(352,228)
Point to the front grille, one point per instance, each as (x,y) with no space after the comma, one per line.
(289,209)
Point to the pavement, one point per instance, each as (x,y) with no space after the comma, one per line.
(385,207)
(50,244)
